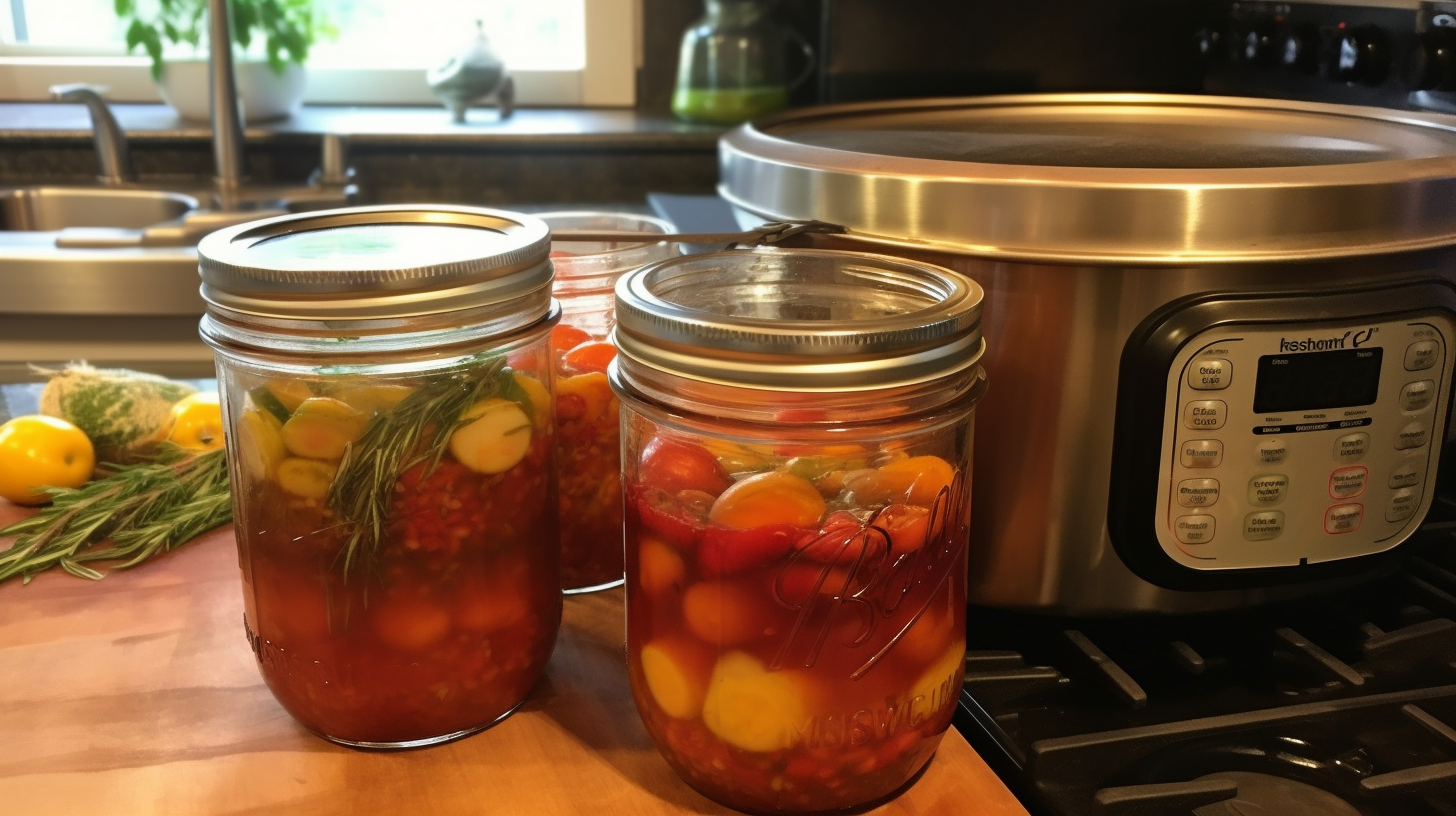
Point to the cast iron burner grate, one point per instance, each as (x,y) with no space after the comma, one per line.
(1339,705)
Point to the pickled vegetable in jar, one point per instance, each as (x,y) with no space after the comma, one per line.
(587,421)
(797,517)
(391,445)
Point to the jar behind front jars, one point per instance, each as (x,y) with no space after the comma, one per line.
(797,518)
(586,418)
(393,474)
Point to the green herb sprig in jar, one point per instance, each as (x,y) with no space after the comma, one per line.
(417,431)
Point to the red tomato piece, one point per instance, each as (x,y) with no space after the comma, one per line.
(698,501)
(840,539)
(660,513)
(675,466)
(800,583)
(593,355)
(526,359)
(840,519)
(565,337)
(729,552)
(570,407)
(906,524)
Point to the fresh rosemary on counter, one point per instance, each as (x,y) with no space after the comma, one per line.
(143,509)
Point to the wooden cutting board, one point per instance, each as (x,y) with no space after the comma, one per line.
(138,694)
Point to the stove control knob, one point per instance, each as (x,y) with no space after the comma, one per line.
(1259,45)
(1360,54)
(1433,64)
(1299,48)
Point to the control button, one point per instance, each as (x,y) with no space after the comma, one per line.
(1348,482)
(1201,453)
(1264,525)
(1404,476)
(1271,451)
(1210,44)
(1197,492)
(1194,529)
(1417,395)
(1344,518)
(1352,446)
(1260,46)
(1360,54)
(1422,355)
(1413,435)
(1210,375)
(1301,48)
(1205,415)
(1268,489)
(1433,65)
(1402,505)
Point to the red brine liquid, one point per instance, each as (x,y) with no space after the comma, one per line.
(439,630)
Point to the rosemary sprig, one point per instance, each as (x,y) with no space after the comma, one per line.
(417,430)
(144,509)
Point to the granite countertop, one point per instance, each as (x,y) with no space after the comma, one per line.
(559,156)
(372,124)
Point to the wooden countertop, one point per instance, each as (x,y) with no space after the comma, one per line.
(138,695)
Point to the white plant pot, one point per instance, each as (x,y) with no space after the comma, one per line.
(265,95)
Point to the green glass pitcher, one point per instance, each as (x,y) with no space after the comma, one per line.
(734,63)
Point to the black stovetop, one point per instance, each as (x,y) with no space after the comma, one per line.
(1343,704)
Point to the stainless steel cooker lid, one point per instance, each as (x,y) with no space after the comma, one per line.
(1129,178)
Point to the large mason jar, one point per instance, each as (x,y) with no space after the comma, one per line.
(587,424)
(388,410)
(797,439)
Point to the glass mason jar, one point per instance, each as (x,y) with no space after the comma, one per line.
(390,442)
(587,426)
(797,439)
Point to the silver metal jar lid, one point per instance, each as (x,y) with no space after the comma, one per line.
(378,263)
(1106,178)
(799,319)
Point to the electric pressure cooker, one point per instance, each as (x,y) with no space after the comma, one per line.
(1219,330)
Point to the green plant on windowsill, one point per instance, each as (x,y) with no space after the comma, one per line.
(287,28)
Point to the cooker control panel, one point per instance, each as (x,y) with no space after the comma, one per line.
(1295,444)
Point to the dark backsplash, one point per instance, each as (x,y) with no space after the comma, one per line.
(868,49)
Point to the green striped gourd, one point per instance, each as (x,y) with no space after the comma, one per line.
(124,412)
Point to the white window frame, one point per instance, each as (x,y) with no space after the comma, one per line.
(613,34)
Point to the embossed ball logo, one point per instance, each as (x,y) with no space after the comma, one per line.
(863,574)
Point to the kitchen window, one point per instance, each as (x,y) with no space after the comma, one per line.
(561,52)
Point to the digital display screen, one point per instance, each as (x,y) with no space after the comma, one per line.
(1317,380)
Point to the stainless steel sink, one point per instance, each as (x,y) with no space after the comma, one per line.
(119,304)
(49,208)
(109,273)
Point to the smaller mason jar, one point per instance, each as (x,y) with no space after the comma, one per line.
(390,439)
(797,437)
(587,435)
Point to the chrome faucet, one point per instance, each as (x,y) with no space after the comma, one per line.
(331,186)
(227,121)
(113,159)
